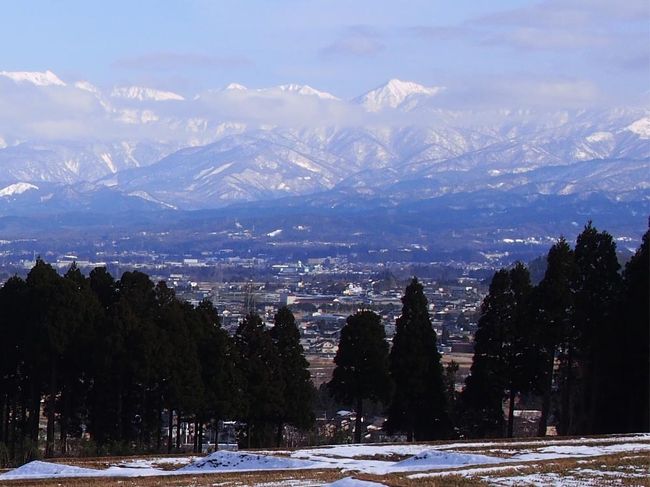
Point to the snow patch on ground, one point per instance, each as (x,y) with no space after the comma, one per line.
(560,451)
(352,482)
(38,469)
(433,459)
(229,461)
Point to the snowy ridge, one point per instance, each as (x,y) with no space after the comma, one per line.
(204,154)
(17,188)
(641,127)
(235,87)
(144,94)
(306,90)
(47,78)
(394,93)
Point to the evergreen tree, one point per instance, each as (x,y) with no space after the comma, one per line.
(54,321)
(76,372)
(596,287)
(361,371)
(217,360)
(20,391)
(294,373)
(521,354)
(552,310)
(504,355)
(633,371)
(263,391)
(481,399)
(418,406)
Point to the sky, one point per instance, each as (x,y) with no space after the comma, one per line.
(590,50)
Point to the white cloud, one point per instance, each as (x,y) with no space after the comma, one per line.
(357,40)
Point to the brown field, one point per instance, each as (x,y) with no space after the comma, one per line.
(627,468)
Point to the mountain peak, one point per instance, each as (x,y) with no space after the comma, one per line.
(235,87)
(144,94)
(307,90)
(16,188)
(38,78)
(394,93)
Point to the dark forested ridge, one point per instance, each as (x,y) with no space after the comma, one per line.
(115,365)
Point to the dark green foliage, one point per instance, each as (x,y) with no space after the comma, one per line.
(505,355)
(263,398)
(551,312)
(294,374)
(632,371)
(596,288)
(482,410)
(108,357)
(361,371)
(418,407)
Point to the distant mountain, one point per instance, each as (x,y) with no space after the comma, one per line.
(152,148)
(144,94)
(394,94)
(47,78)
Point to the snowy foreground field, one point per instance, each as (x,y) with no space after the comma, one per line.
(609,460)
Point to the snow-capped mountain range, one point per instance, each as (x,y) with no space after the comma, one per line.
(237,144)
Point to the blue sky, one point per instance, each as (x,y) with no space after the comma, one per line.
(593,48)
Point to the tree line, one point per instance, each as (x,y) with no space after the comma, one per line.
(116,360)
(578,342)
(575,346)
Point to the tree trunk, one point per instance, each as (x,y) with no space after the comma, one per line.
(178,430)
(195,448)
(158,427)
(511,412)
(278,434)
(49,442)
(65,414)
(170,428)
(12,431)
(357,425)
(565,418)
(4,419)
(592,405)
(35,411)
(546,398)
(200,435)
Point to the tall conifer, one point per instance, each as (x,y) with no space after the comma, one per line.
(418,407)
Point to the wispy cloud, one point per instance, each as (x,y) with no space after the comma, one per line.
(170,61)
(552,25)
(359,40)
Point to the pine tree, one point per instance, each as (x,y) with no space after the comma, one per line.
(633,372)
(75,364)
(361,371)
(481,399)
(263,391)
(418,407)
(294,373)
(520,353)
(552,310)
(215,350)
(596,286)
(54,321)
(504,355)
